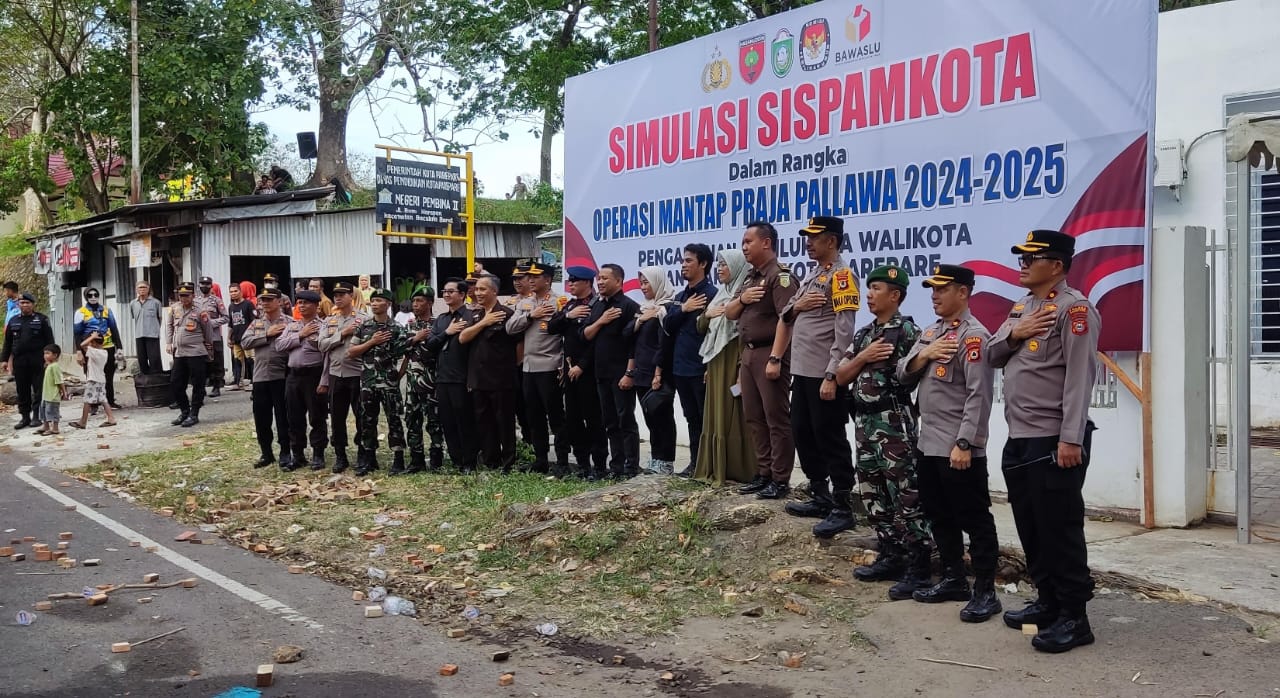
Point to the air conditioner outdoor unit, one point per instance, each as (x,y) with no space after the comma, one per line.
(1169,168)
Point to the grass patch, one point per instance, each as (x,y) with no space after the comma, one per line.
(621,570)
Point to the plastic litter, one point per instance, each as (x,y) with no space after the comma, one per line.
(378,550)
(471,613)
(240,692)
(375,573)
(88,591)
(377,593)
(446,526)
(396,606)
(548,629)
(26,618)
(381,519)
(295,528)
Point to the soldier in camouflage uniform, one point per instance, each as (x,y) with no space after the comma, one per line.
(421,404)
(885,425)
(380,343)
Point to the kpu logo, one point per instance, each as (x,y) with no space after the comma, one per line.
(815,44)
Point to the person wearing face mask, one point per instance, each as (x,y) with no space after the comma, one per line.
(214,312)
(92,317)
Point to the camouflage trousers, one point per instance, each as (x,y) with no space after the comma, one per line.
(371,400)
(887,477)
(420,407)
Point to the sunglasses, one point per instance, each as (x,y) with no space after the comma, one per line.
(1027,260)
(90,295)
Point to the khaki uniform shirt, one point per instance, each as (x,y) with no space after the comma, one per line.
(955,396)
(759,321)
(215,310)
(1048,379)
(188,331)
(819,336)
(542,349)
(303,352)
(335,346)
(268,364)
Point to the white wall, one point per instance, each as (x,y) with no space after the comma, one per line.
(1206,54)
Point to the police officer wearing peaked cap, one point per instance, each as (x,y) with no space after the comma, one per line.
(583,425)
(25,337)
(1047,348)
(820,322)
(955,393)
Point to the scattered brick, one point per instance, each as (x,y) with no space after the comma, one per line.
(17,557)
(189,583)
(92,562)
(265,674)
(28,539)
(6,551)
(151,578)
(372,611)
(44,605)
(357,596)
(448,669)
(69,507)
(118,647)
(506,679)
(144,599)
(455,632)
(65,535)
(63,545)
(97,599)
(44,556)
(296,569)
(185,536)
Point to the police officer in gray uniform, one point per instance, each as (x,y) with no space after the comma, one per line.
(1047,348)
(543,353)
(819,319)
(306,365)
(269,370)
(341,378)
(191,338)
(955,406)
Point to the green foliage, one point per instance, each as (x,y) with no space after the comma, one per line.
(15,246)
(513,211)
(22,165)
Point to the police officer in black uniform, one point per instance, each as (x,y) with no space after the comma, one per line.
(25,338)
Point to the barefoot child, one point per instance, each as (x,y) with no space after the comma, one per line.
(95,387)
(53,392)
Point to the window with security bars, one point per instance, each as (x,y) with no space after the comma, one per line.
(1264,232)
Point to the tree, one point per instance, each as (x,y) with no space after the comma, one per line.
(337,49)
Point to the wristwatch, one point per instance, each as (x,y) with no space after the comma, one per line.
(630,373)
(963,444)
(775,359)
(829,376)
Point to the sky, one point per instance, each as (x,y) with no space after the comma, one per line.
(497,164)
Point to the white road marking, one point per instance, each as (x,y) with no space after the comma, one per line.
(254,597)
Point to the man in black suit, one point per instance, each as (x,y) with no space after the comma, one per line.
(456,411)
(611,328)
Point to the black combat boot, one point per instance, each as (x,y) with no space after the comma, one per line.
(397,464)
(983,604)
(918,575)
(297,459)
(774,490)
(952,587)
(193,418)
(561,468)
(1069,631)
(1036,612)
(888,565)
(340,462)
(417,462)
(435,460)
(26,422)
(819,505)
(840,519)
(182,417)
(363,462)
(264,460)
(317,459)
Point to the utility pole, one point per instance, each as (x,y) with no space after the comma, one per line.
(135,168)
(653,25)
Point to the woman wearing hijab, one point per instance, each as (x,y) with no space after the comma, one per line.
(363,289)
(653,352)
(725,452)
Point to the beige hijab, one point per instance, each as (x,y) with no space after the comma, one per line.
(722,330)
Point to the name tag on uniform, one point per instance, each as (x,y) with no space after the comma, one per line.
(735,390)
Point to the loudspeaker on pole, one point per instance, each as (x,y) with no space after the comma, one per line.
(307,145)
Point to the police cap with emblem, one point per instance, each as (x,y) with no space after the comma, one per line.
(580,273)
(269,294)
(896,276)
(310,296)
(944,274)
(341,287)
(270,279)
(382,293)
(824,224)
(535,269)
(206,281)
(27,297)
(1049,242)
(186,287)
(522,268)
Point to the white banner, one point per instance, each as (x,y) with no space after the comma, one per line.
(57,254)
(140,251)
(940,130)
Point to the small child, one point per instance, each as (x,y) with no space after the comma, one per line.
(95,387)
(53,392)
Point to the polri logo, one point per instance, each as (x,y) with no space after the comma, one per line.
(751,58)
(783,53)
(815,44)
(716,74)
(862,29)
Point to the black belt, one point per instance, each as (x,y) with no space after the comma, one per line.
(760,344)
(306,370)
